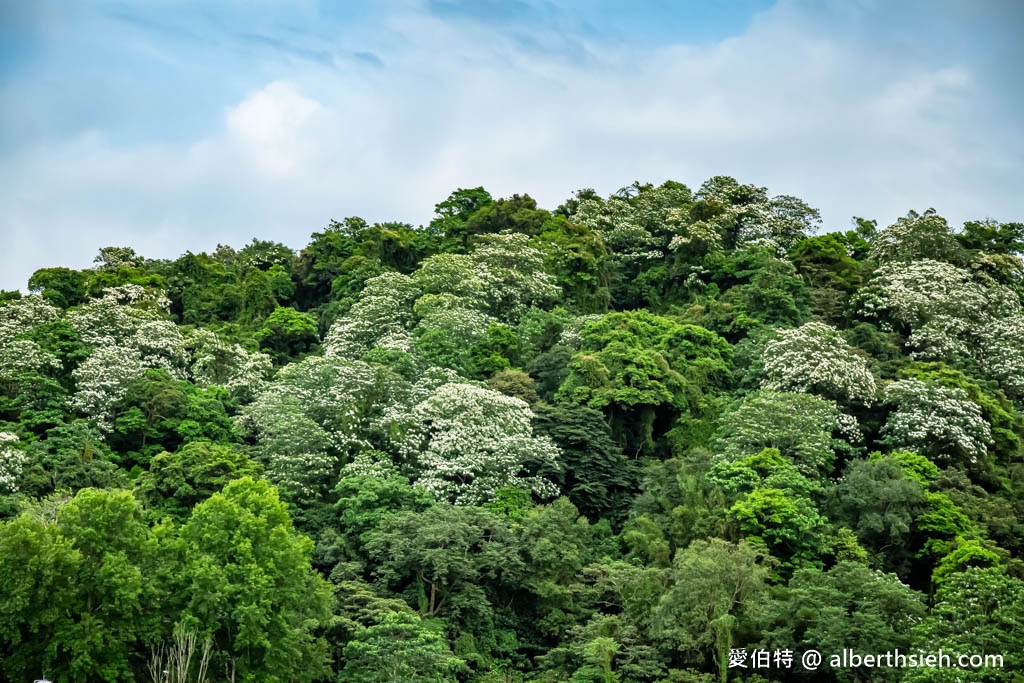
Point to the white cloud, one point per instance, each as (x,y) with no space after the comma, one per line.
(794,103)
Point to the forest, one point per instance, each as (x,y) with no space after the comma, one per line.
(632,439)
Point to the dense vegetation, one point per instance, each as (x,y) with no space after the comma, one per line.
(609,442)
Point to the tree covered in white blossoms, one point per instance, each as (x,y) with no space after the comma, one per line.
(638,222)
(316,415)
(438,313)
(214,362)
(815,358)
(382,311)
(103,379)
(465,442)
(935,420)
(114,317)
(129,333)
(914,237)
(12,460)
(728,214)
(21,315)
(953,315)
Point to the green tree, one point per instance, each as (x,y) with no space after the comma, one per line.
(717,590)
(401,647)
(62,287)
(286,334)
(446,560)
(247,584)
(800,426)
(978,611)
(643,371)
(848,606)
(177,482)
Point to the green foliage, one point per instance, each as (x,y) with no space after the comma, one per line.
(799,426)
(246,583)
(637,367)
(978,611)
(717,589)
(612,442)
(401,647)
(848,606)
(177,482)
(62,287)
(286,333)
(597,476)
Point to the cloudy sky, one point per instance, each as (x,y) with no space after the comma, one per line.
(174,125)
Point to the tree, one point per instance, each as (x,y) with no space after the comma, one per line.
(74,599)
(578,258)
(103,380)
(977,611)
(62,287)
(788,525)
(247,584)
(19,316)
(286,333)
(401,647)
(944,310)
(12,460)
(717,590)
(36,562)
(642,370)
(598,478)
(315,416)
(848,606)
(465,442)
(815,358)
(382,312)
(176,482)
(446,560)
(935,420)
(915,237)
(217,363)
(516,214)
(636,226)
(800,426)
(513,275)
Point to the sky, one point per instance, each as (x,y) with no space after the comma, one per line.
(177,125)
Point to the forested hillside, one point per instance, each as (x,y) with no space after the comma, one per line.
(618,441)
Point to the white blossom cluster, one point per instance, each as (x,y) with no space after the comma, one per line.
(572,333)
(103,379)
(814,358)
(952,315)
(512,273)
(914,237)
(699,236)
(1002,353)
(22,357)
(104,321)
(214,362)
(799,425)
(933,419)
(458,295)
(914,293)
(619,226)
(315,415)
(12,461)
(384,310)
(129,336)
(162,345)
(21,315)
(468,441)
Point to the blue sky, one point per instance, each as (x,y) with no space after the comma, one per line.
(174,125)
